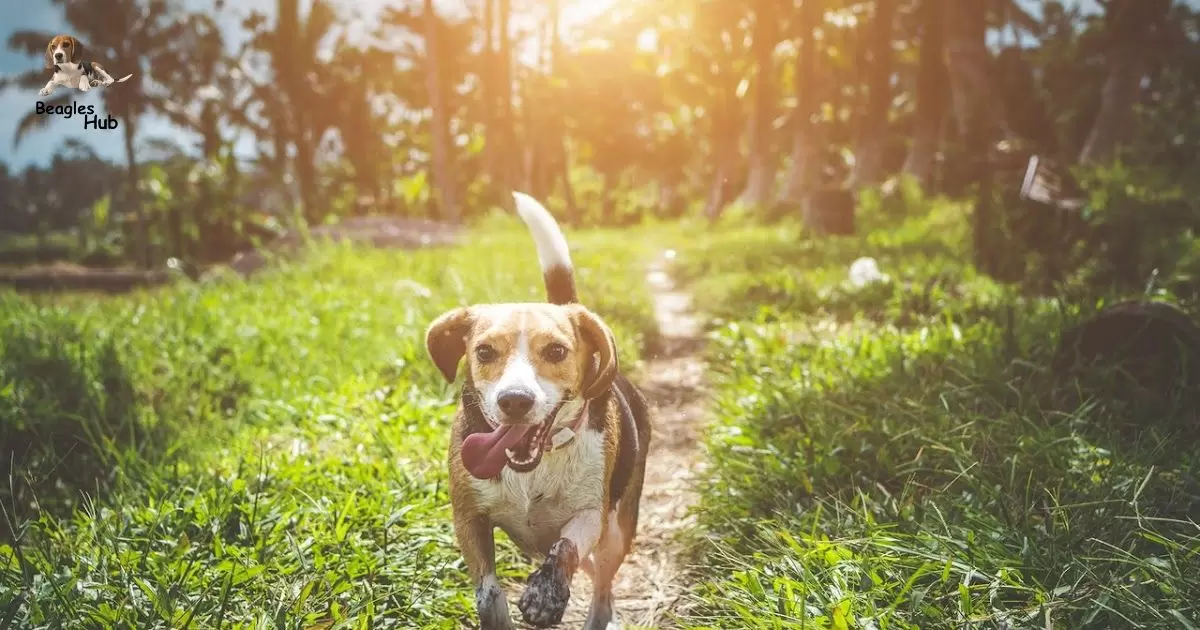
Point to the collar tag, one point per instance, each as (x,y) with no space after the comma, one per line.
(561,437)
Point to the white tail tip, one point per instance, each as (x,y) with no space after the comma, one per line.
(124,78)
(551,244)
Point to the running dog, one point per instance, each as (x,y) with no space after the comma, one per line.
(549,443)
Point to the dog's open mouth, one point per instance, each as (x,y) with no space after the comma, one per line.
(520,447)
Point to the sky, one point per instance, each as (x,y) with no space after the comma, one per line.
(37,147)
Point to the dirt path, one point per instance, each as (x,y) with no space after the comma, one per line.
(648,587)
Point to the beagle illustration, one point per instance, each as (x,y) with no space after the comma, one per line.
(64,55)
(549,442)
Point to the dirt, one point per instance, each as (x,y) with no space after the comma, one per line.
(649,586)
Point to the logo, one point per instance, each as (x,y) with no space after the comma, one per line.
(67,61)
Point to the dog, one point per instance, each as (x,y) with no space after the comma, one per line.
(549,441)
(64,55)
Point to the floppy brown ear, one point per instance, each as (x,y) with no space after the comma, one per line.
(76,50)
(597,335)
(446,340)
(50,55)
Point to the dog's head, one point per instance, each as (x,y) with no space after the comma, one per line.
(525,359)
(63,49)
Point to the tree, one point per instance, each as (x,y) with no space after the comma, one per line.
(134,36)
(931,93)
(761,178)
(443,164)
(868,165)
(808,100)
(1129,27)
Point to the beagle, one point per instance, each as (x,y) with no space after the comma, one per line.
(549,442)
(64,55)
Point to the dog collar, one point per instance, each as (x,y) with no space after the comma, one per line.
(564,435)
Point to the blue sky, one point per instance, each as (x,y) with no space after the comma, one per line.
(39,146)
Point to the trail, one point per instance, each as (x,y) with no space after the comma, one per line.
(649,585)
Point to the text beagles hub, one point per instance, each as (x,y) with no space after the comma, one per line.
(66,111)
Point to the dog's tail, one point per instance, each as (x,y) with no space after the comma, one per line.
(124,78)
(553,253)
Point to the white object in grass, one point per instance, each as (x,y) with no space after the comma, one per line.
(865,271)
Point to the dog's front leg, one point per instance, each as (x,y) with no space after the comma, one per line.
(49,89)
(477,542)
(85,83)
(549,589)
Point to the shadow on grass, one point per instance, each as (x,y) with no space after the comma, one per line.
(67,413)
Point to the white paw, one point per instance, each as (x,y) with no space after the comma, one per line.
(44,92)
(84,86)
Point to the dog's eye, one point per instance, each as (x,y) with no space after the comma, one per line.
(66,44)
(485,353)
(554,352)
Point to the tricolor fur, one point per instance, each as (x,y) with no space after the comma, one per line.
(65,56)
(549,442)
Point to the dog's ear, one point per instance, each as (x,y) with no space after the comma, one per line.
(446,340)
(50,54)
(76,50)
(596,334)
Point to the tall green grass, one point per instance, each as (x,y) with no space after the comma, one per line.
(267,453)
(901,455)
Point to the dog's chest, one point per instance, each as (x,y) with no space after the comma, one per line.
(533,507)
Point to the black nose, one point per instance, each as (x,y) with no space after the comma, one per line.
(516,404)
(58,56)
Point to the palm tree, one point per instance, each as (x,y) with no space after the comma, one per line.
(443,161)
(760,181)
(868,165)
(808,101)
(130,36)
(293,106)
(1130,29)
(931,93)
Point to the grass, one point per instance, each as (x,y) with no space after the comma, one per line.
(900,455)
(254,454)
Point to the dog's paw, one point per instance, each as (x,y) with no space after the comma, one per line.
(545,598)
(549,589)
(85,86)
(44,92)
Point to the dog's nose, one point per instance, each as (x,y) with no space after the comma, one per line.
(58,56)
(516,404)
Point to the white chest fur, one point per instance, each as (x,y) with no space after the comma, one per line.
(533,507)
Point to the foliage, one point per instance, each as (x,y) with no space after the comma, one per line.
(297,468)
(638,108)
(885,457)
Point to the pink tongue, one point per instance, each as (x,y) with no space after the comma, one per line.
(483,453)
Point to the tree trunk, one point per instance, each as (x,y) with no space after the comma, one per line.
(487,90)
(931,95)
(724,141)
(443,165)
(1128,27)
(508,159)
(306,169)
(141,221)
(976,111)
(969,63)
(868,163)
(562,158)
(761,177)
(808,100)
